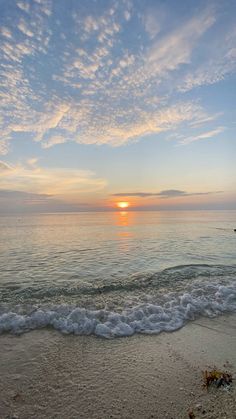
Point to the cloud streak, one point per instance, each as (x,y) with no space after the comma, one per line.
(168,193)
(31,178)
(203,136)
(4,167)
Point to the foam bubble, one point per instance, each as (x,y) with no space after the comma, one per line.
(201,299)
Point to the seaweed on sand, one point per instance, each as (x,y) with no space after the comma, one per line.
(217,377)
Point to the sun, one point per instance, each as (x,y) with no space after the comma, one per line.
(123,204)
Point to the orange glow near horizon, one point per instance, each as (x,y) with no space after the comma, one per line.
(123,204)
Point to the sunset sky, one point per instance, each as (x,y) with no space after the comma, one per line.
(108,101)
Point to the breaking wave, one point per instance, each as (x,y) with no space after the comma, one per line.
(172,298)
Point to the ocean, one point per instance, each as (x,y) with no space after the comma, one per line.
(114,274)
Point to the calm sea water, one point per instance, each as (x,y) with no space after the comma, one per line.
(116,273)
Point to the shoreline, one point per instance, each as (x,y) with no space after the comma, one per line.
(44,374)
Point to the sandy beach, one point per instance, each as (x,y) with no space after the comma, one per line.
(48,375)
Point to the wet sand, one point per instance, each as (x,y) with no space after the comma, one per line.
(44,374)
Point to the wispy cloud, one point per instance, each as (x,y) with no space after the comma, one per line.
(205,120)
(203,135)
(4,167)
(32,178)
(176,48)
(154,20)
(57,139)
(220,62)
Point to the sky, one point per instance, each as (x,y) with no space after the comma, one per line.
(117,100)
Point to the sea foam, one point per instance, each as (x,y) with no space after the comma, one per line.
(176,309)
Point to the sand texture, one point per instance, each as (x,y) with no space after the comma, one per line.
(44,374)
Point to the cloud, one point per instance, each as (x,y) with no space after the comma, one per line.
(22,26)
(58,139)
(152,22)
(26,196)
(219,62)
(203,136)
(52,181)
(4,167)
(176,48)
(97,88)
(12,201)
(6,32)
(23,6)
(4,147)
(33,161)
(169,193)
(127,15)
(141,124)
(205,119)
(44,122)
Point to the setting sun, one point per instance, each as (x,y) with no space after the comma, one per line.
(123,204)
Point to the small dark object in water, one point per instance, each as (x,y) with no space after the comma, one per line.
(235,230)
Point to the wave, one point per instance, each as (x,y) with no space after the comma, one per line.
(205,291)
(166,278)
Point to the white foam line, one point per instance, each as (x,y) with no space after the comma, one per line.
(145,318)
